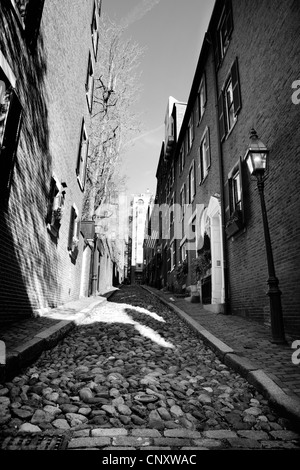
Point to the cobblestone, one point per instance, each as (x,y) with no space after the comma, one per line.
(133,375)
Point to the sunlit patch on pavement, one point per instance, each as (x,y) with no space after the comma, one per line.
(120,313)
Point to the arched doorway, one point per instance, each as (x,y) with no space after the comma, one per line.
(217,272)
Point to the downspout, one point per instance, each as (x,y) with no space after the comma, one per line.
(221,176)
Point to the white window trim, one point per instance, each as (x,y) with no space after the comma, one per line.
(206,131)
(192,165)
(202,85)
(87,139)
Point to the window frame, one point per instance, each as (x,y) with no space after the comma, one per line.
(74,231)
(89,84)
(81,166)
(204,169)
(192,182)
(56,202)
(226,20)
(230,115)
(233,81)
(234,209)
(181,159)
(95,31)
(201,98)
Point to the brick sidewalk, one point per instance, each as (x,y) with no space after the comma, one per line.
(250,339)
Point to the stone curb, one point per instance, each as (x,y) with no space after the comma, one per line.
(287,406)
(26,353)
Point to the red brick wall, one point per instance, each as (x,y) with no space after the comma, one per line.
(35,271)
(211,185)
(266,41)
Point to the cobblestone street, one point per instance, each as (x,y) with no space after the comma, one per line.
(133,375)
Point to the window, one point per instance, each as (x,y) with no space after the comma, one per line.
(95,35)
(192,186)
(10,122)
(236,194)
(74,230)
(172,212)
(229,105)
(89,85)
(173,255)
(224,32)
(190,134)
(234,205)
(229,102)
(182,199)
(55,206)
(182,252)
(204,155)
(172,174)
(82,157)
(201,98)
(181,159)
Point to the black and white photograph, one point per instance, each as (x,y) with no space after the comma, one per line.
(150,231)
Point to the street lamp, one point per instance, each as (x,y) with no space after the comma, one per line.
(256,158)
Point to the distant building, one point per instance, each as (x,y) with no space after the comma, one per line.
(139,208)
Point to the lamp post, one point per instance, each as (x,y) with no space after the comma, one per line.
(256,158)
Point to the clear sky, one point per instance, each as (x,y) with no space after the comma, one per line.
(172,32)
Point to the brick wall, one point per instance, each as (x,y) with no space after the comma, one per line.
(266,41)
(37,272)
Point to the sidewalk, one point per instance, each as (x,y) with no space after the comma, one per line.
(246,347)
(26,339)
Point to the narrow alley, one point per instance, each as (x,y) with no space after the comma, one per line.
(133,376)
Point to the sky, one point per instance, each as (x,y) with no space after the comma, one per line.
(172,31)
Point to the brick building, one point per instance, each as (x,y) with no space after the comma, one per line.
(47,54)
(257,50)
(249,65)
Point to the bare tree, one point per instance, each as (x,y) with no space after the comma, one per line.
(114,122)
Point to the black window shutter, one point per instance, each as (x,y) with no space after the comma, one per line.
(227,198)
(200,163)
(217,50)
(242,189)
(204,88)
(33,18)
(229,18)
(79,150)
(10,142)
(208,147)
(221,117)
(71,228)
(196,120)
(50,201)
(236,87)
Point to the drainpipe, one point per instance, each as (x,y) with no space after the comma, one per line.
(221,176)
(95,267)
